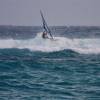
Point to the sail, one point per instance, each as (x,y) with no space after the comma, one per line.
(45,26)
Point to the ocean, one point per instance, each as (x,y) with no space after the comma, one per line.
(67,68)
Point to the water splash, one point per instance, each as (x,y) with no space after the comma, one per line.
(60,43)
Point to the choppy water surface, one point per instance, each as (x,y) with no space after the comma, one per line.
(37,69)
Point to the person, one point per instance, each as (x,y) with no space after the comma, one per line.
(44,35)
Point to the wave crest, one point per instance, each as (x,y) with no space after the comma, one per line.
(60,43)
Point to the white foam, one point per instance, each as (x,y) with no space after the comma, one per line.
(39,44)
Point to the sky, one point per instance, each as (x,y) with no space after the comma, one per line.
(56,12)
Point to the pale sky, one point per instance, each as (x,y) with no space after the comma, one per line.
(56,12)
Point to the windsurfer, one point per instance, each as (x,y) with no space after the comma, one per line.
(44,35)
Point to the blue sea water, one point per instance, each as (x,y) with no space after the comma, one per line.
(35,69)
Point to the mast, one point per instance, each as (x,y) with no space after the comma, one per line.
(45,26)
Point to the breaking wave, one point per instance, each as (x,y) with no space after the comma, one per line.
(85,46)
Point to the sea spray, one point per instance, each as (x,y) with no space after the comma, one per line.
(80,45)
